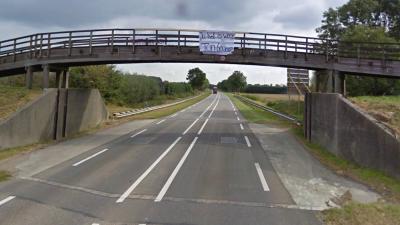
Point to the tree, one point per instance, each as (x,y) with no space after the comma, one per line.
(237,81)
(197,78)
(365,21)
(331,27)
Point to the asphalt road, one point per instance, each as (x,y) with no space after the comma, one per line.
(202,165)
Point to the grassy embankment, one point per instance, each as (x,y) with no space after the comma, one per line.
(385,109)
(382,213)
(12,98)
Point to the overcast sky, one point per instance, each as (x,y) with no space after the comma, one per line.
(22,17)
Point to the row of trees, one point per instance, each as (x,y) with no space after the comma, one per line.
(123,88)
(197,79)
(126,88)
(235,82)
(365,21)
(266,89)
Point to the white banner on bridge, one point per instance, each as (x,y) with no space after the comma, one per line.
(217,42)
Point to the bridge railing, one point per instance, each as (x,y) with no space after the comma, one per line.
(42,44)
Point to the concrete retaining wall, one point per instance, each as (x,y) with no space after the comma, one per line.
(347,131)
(48,117)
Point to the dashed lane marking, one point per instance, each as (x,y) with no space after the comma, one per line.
(4,201)
(90,157)
(138,133)
(261,176)
(247,141)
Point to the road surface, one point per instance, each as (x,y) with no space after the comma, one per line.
(201,165)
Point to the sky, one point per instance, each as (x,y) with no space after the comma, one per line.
(24,17)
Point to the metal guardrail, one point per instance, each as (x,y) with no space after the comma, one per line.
(119,115)
(273,111)
(41,44)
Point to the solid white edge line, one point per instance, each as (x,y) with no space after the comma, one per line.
(138,133)
(90,157)
(4,201)
(141,178)
(202,127)
(247,141)
(174,115)
(160,122)
(241,127)
(95,224)
(261,176)
(175,172)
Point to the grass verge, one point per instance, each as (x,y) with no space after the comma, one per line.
(4,175)
(166,111)
(363,214)
(381,213)
(256,115)
(280,103)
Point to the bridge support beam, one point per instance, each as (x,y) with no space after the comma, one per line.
(339,83)
(58,79)
(46,75)
(65,81)
(330,81)
(29,77)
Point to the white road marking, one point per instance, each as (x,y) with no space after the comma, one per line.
(261,176)
(191,125)
(241,127)
(4,201)
(142,224)
(194,122)
(90,157)
(235,113)
(161,121)
(175,172)
(95,224)
(141,178)
(202,127)
(209,116)
(138,133)
(247,141)
(238,118)
(174,115)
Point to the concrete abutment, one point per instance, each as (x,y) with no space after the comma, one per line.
(57,114)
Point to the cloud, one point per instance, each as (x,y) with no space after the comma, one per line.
(79,13)
(23,17)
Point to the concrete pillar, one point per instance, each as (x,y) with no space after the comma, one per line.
(58,79)
(330,81)
(65,79)
(46,73)
(339,82)
(29,77)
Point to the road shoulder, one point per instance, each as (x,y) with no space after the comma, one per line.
(310,184)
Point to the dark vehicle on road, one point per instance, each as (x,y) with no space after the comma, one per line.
(214,90)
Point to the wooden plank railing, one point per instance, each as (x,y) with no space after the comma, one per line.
(40,43)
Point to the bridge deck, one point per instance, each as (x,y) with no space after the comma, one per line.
(91,47)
